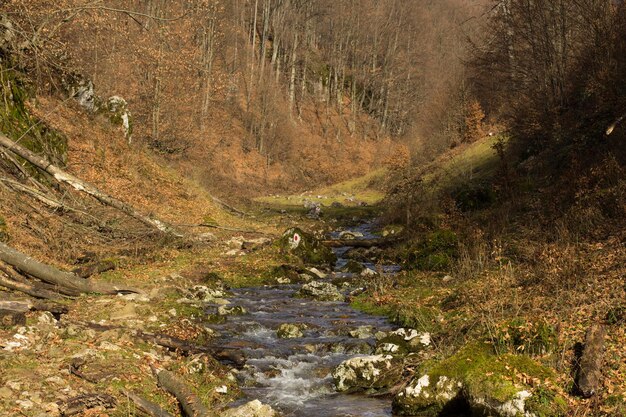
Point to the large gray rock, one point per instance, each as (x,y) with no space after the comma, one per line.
(366,373)
(321,291)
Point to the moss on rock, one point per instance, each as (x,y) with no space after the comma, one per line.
(487,383)
(16,122)
(306,247)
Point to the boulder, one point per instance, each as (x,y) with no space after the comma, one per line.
(476,379)
(306,247)
(252,409)
(428,395)
(367,372)
(321,291)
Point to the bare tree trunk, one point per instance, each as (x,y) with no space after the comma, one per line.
(292,78)
(208,44)
(83,186)
(54,276)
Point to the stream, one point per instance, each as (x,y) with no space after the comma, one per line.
(294,375)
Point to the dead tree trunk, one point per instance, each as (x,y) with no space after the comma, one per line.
(31,290)
(590,373)
(54,276)
(83,186)
(189,402)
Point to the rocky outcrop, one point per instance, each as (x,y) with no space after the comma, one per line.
(367,373)
(321,291)
(120,115)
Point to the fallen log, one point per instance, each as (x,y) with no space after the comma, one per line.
(32,290)
(147,407)
(55,276)
(36,194)
(589,378)
(80,185)
(23,306)
(189,402)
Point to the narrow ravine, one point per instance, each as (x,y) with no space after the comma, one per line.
(293,375)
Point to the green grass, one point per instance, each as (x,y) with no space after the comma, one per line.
(367,188)
(476,162)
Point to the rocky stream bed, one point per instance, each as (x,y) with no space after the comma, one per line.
(306,348)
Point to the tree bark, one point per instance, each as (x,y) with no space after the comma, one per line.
(590,373)
(28,289)
(78,184)
(54,276)
(189,402)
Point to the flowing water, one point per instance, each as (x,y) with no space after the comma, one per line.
(293,375)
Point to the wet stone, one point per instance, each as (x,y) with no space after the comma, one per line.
(290,331)
(321,291)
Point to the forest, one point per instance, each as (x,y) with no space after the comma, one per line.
(264,208)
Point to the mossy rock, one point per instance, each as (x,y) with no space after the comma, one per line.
(4,233)
(306,247)
(283,274)
(16,122)
(488,384)
(435,252)
(403,341)
(532,337)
